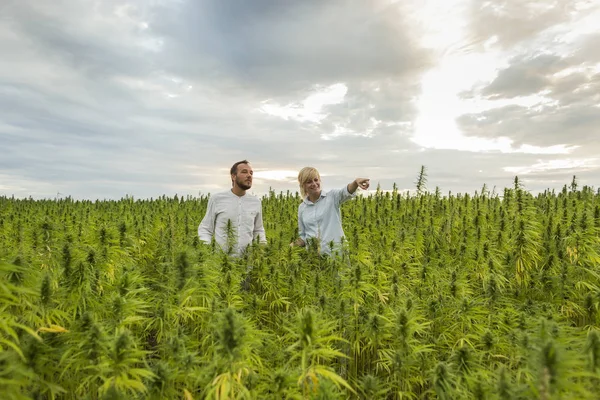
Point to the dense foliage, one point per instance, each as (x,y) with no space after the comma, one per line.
(438,296)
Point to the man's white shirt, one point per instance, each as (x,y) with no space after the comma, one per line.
(245,214)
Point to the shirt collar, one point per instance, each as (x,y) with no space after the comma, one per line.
(307,201)
(235,195)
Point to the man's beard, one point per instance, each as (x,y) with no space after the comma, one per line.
(243,185)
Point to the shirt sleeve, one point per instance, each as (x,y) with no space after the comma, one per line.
(259,229)
(301,231)
(342,195)
(207,226)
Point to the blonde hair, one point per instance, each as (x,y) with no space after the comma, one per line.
(307,174)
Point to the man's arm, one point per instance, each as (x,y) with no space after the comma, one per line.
(259,229)
(206,229)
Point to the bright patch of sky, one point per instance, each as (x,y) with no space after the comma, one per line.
(459,70)
(276,175)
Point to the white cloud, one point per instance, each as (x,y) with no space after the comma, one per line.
(556,149)
(310,109)
(552,165)
(344,130)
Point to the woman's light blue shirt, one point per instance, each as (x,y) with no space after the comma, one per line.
(323,219)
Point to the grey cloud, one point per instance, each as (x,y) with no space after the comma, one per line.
(572,119)
(527,74)
(547,127)
(578,91)
(386,101)
(588,51)
(515,21)
(282,46)
(61,33)
(524,77)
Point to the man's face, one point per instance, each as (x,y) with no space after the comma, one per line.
(243,177)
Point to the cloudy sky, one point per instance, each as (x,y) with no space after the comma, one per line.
(102,99)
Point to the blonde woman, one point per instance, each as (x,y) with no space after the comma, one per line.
(319,213)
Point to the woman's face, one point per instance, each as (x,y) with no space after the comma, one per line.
(313,187)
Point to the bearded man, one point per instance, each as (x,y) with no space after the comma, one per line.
(234,217)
